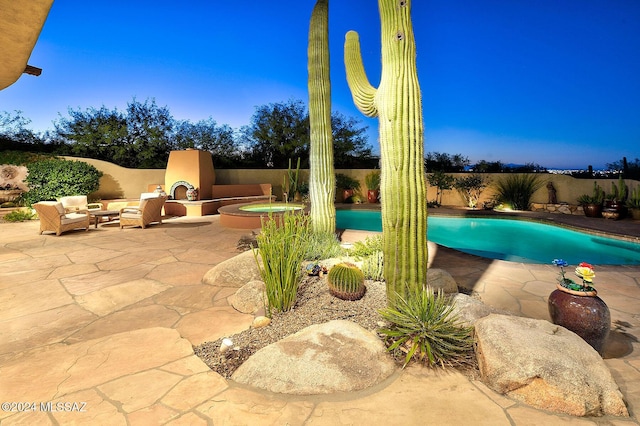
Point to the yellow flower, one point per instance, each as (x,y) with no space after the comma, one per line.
(585,273)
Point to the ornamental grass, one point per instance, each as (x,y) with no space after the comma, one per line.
(282,246)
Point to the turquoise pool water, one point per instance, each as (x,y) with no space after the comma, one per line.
(274,207)
(512,240)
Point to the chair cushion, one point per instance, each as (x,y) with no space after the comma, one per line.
(73,218)
(128,215)
(146,195)
(79,201)
(59,207)
(143,202)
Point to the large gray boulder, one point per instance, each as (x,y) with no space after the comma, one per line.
(234,272)
(439,279)
(545,366)
(337,356)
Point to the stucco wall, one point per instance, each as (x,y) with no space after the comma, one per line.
(120,182)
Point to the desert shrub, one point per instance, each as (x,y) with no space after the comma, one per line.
(51,179)
(368,247)
(424,326)
(516,190)
(322,245)
(281,245)
(18,216)
(373,266)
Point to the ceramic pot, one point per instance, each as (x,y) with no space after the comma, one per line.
(372,195)
(192,194)
(586,315)
(346,194)
(592,210)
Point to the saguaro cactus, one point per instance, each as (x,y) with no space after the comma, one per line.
(398,106)
(321,176)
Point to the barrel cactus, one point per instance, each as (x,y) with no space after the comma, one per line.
(346,281)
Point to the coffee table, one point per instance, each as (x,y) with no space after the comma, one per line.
(98,215)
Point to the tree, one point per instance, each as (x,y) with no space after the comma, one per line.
(96,133)
(629,169)
(207,135)
(483,166)
(150,129)
(350,145)
(437,161)
(278,131)
(139,138)
(442,182)
(14,134)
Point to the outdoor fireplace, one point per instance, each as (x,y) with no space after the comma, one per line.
(189,169)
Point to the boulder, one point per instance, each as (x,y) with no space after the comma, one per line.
(545,366)
(439,279)
(469,310)
(234,272)
(249,298)
(337,356)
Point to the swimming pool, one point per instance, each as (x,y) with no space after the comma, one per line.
(510,239)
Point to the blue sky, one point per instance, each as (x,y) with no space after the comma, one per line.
(550,82)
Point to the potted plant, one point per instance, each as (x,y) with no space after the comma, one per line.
(347,186)
(372,181)
(592,204)
(633,203)
(577,307)
(615,208)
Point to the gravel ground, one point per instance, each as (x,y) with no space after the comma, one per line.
(314,305)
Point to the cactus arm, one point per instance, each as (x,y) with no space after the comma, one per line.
(362,91)
(322,181)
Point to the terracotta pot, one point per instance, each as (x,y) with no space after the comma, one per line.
(372,195)
(586,315)
(346,194)
(635,214)
(592,210)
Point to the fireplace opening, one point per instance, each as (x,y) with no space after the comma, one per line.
(179,190)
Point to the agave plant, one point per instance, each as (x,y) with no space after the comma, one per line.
(425,327)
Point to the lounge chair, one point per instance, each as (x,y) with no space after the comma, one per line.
(78,203)
(149,210)
(54,218)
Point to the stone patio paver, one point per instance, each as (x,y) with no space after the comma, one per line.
(109,317)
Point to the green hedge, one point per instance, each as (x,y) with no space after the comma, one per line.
(51,179)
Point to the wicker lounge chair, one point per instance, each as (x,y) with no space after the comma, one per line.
(149,210)
(54,218)
(78,203)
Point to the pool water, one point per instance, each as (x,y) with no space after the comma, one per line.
(508,239)
(266,208)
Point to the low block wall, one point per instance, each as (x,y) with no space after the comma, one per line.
(562,208)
